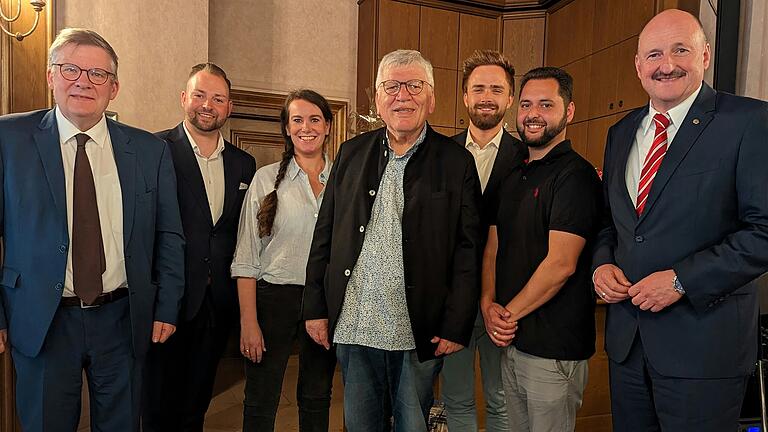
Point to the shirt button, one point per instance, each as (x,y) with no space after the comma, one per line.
(315,215)
(63,248)
(59,286)
(371,192)
(362,228)
(347,272)
(385,153)
(206,259)
(525,177)
(639,239)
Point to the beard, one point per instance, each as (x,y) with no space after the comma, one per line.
(485,121)
(550,132)
(215,124)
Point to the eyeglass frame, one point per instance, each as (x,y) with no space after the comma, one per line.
(400,85)
(87,73)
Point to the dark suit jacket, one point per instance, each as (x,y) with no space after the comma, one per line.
(441,235)
(508,149)
(707,218)
(35,237)
(210,247)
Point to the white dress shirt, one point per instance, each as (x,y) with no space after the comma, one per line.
(484,157)
(281,258)
(212,170)
(109,198)
(644,139)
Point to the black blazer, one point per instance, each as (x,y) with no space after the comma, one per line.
(707,218)
(508,150)
(210,247)
(441,235)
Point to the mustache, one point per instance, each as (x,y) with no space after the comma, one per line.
(484,105)
(677,73)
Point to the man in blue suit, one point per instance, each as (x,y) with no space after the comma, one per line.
(94,262)
(685,236)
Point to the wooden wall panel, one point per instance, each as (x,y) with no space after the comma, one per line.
(401,21)
(523,43)
(366,53)
(572,38)
(577,133)
(581,71)
(445,94)
(439,37)
(476,32)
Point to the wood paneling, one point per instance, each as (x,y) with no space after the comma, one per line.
(597,134)
(523,43)
(445,94)
(476,32)
(439,37)
(401,21)
(577,133)
(581,71)
(366,53)
(603,75)
(462,118)
(571,38)
(629,91)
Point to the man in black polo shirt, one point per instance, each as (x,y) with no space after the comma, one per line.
(537,300)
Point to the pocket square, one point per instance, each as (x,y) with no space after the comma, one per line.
(243,186)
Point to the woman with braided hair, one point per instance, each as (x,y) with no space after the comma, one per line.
(275,233)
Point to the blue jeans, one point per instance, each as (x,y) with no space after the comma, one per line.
(458,384)
(382,384)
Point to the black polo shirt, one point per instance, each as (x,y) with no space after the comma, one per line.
(559,192)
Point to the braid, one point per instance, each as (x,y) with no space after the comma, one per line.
(268,210)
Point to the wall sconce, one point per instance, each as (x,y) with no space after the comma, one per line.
(37,5)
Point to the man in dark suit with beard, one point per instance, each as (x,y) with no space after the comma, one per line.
(212,176)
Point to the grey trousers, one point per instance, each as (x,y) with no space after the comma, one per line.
(542,394)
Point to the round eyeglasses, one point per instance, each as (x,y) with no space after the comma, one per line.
(72,72)
(414,86)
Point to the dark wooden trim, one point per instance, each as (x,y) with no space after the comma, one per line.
(266,106)
(726,50)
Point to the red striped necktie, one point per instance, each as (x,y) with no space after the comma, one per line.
(652,161)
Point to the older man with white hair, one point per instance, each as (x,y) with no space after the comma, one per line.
(392,277)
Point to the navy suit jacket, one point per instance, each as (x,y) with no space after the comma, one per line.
(707,219)
(33,225)
(210,246)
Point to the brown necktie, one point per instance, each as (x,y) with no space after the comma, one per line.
(88,260)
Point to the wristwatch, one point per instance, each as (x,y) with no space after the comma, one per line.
(677,286)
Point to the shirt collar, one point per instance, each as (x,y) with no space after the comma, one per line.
(196,148)
(410,151)
(495,141)
(294,169)
(67,130)
(676,115)
(560,149)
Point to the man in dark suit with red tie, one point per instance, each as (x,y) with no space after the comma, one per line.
(684,237)
(213,177)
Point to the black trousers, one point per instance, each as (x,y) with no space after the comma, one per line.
(180,373)
(644,400)
(278,308)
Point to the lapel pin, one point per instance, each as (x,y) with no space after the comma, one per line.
(696,121)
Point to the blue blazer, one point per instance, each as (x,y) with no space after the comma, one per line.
(33,224)
(707,218)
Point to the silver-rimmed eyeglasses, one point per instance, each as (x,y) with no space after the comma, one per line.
(414,86)
(72,72)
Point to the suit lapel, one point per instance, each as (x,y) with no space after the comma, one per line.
(504,159)
(697,119)
(49,148)
(125,159)
(186,165)
(232,176)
